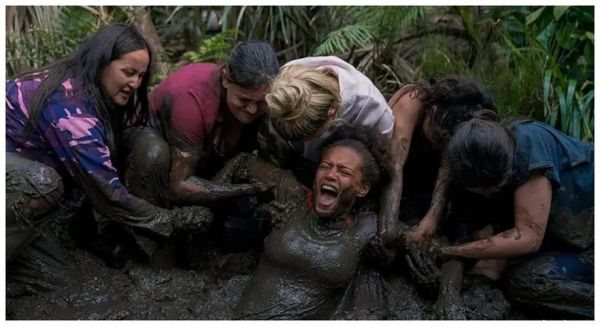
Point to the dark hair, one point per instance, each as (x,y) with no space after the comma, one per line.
(252,64)
(455,99)
(86,65)
(480,154)
(370,144)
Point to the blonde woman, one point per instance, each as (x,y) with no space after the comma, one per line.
(311,97)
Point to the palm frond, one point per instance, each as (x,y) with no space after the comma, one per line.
(344,39)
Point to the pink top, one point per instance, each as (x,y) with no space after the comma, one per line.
(361,102)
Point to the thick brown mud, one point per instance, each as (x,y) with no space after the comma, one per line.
(209,291)
(212,271)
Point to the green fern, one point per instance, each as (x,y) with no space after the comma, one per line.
(344,39)
(213,49)
(379,26)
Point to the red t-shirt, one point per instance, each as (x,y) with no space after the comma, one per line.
(196,97)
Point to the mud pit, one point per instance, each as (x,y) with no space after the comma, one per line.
(134,292)
(207,289)
(213,269)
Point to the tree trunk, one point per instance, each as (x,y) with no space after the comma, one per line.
(141,19)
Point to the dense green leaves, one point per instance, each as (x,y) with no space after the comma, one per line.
(213,49)
(537,61)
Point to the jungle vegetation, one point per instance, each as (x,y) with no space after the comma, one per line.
(537,61)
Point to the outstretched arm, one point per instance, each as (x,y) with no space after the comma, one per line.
(449,305)
(532,207)
(427,226)
(77,137)
(406,109)
(185,188)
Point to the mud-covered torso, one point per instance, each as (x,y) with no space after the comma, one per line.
(308,247)
(305,267)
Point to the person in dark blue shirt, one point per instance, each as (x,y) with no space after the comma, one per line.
(549,177)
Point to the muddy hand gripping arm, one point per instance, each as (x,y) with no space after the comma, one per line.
(185,188)
(532,208)
(77,137)
(421,235)
(406,109)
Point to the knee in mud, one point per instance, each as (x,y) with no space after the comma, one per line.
(48,183)
(155,152)
(525,282)
(146,146)
(32,188)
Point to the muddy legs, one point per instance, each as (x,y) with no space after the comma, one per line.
(32,190)
(554,282)
(147,165)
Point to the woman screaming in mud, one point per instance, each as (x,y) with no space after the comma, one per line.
(317,246)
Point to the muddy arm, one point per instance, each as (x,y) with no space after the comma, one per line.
(427,226)
(449,302)
(89,164)
(233,170)
(406,109)
(532,207)
(185,188)
(289,196)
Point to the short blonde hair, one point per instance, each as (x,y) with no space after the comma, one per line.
(299,100)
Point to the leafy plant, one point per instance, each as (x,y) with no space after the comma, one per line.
(573,109)
(563,39)
(294,30)
(213,49)
(370,26)
(42,34)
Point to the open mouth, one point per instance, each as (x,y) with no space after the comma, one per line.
(328,195)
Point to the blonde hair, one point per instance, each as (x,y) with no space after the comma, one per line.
(299,100)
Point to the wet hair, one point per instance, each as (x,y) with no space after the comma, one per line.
(372,147)
(299,100)
(252,64)
(86,64)
(452,100)
(480,154)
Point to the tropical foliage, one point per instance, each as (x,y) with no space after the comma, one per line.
(537,61)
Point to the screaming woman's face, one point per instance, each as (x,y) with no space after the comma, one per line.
(339,181)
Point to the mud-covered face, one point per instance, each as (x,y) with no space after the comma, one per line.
(245,104)
(339,181)
(122,77)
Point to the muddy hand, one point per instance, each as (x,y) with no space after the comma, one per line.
(420,236)
(191,218)
(280,213)
(423,266)
(449,306)
(380,252)
(274,211)
(260,187)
